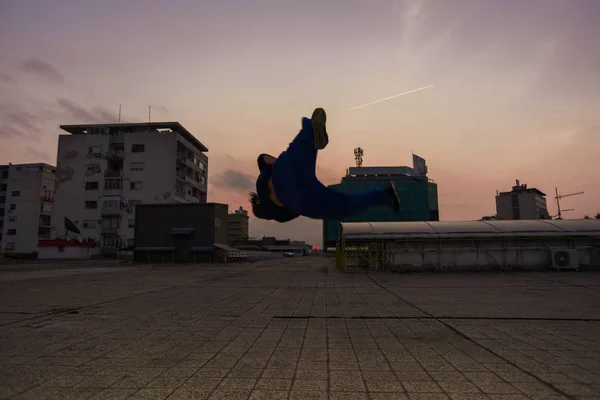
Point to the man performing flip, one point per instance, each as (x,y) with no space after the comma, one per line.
(287,186)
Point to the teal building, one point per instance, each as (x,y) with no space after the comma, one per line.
(418,196)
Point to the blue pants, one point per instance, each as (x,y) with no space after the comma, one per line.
(297,187)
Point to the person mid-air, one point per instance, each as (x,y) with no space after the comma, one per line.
(287,187)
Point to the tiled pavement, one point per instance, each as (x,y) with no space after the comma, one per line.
(108,331)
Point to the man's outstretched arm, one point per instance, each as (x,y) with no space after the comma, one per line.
(265,160)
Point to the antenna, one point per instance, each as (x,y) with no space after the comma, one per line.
(560,196)
(149,113)
(358,155)
(119,113)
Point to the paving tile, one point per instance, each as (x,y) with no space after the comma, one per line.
(273,384)
(346,381)
(212,372)
(225,394)
(420,386)
(427,396)
(348,396)
(309,395)
(278,373)
(458,387)
(309,384)
(113,394)
(237,383)
(152,394)
(269,395)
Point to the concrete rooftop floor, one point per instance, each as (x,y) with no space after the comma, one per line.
(295,329)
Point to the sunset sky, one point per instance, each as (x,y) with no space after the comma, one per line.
(516,95)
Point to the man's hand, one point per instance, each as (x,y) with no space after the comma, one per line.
(265,160)
(268,159)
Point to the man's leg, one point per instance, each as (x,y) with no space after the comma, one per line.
(295,167)
(326,203)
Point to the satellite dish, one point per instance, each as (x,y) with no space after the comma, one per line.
(70,226)
(543,213)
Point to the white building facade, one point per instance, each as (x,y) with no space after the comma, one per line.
(26,204)
(103,171)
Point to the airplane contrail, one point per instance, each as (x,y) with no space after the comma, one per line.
(391,97)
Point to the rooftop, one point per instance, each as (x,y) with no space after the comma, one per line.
(438,229)
(173,126)
(295,328)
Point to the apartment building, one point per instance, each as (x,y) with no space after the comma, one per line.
(103,171)
(26,200)
(237,226)
(521,203)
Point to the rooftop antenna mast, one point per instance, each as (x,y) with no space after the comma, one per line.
(560,196)
(358,156)
(149,113)
(119,113)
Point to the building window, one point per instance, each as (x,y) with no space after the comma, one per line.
(217,222)
(12,207)
(19,169)
(91,185)
(137,148)
(95,150)
(32,169)
(93,168)
(113,183)
(12,218)
(16,193)
(11,232)
(112,202)
(132,203)
(60,249)
(91,204)
(3,187)
(131,223)
(89,224)
(110,222)
(4,174)
(137,166)
(10,246)
(136,185)
(109,241)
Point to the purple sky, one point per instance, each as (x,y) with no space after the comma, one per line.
(517,87)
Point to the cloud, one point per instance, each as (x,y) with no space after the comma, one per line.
(42,69)
(16,122)
(160,108)
(39,155)
(5,78)
(97,115)
(233,180)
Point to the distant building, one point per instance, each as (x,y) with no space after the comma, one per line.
(274,245)
(104,171)
(237,226)
(521,203)
(418,195)
(180,232)
(26,200)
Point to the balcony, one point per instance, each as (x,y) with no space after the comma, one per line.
(113,186)
(113,173)
(109,230)
(44,221)
(47,199)
(115,154)
(112,210)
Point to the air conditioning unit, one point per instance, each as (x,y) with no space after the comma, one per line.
(97,155)
(564,259)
